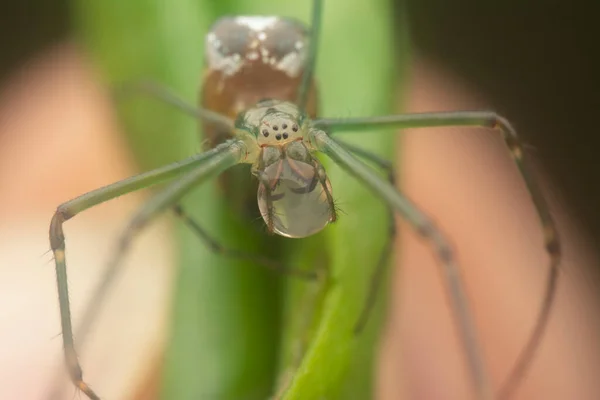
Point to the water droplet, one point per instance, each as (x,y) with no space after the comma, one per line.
(299,201)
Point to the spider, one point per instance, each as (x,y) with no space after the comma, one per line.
(259,104)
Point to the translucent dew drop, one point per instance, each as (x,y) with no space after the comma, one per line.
(299,201)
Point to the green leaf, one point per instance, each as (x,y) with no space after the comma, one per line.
(357,75)
(240,332)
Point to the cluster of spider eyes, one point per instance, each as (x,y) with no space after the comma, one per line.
(279,136)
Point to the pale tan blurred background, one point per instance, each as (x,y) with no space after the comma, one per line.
(59,138)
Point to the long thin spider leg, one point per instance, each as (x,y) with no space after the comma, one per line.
(427,229)
(70,209)
(313,48)
(166,95)
(226,156)
(486,119)
(382,262)
(208,163)
(218,248)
